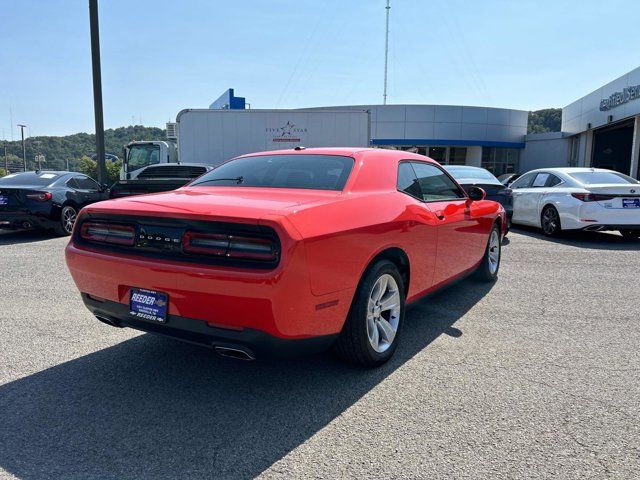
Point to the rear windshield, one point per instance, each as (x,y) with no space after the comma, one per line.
(471,173)
(317,172)
(40,179)
(590,178)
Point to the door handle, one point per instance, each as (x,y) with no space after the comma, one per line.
(440,215)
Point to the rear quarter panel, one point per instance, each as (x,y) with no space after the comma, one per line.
(343,237)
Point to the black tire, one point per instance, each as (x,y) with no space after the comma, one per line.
(630,234)
(550,221)
(64,228)
(353,344)
(487,271)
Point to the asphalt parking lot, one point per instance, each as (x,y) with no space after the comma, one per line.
(536,376)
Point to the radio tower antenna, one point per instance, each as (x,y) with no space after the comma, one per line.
(386,55)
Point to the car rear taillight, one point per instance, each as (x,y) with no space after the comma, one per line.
(39,196)
(230,246)
(252,248)
(108,233)
(591,197)
(205,243)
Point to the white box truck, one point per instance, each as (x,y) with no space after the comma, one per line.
(210,137)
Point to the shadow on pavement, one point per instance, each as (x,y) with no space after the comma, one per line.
(592,240)
(12,237)
(152,407)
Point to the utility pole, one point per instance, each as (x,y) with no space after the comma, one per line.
(97,90)
(24,147)
(6,162)
(386,56)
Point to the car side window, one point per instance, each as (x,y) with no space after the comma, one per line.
(71,183)
(407,181)
(523,182)
(552,181)
(86,183)
(435,185)
(540,180)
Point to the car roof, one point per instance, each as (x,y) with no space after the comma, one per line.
(345,151)
(40,172)
(568,170)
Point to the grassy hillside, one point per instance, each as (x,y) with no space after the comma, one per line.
(57,150)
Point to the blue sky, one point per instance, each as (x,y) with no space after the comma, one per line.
(159,56)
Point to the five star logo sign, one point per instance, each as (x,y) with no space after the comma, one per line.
(287,130)
(160,302)
(288,133)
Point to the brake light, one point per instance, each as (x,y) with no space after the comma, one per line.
(205,243)
(591,197)
(253,248)
(230,246)
(108,233)
(40,196)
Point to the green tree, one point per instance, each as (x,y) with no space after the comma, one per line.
(546,120)
(90,167)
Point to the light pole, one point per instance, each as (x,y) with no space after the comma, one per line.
(97,90)
(24,148)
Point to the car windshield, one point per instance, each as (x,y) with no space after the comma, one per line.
(471,173)
(592,178)
(36,179)
(142,155)
(318,172)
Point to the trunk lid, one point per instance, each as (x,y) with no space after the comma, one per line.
(617,196)
(241,203)
(15,198)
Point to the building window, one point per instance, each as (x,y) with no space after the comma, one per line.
(500,160)
(575,149)
(457,156)
(439,154)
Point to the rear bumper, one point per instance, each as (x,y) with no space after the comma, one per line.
(591,215)
(607,228)
(23,220)
(257,343)
(277,302)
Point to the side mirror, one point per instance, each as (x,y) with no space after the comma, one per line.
(104,187)
(476,193)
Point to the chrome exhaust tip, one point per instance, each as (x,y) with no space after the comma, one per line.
(231,352)
(107,320)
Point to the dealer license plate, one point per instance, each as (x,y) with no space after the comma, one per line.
(631,203)
(148,305)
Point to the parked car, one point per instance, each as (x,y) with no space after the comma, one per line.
(469,177)
(508,178)
(158,178)
(286,252)
(46,199)
(558,199)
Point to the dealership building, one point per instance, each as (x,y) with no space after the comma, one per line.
(601,129)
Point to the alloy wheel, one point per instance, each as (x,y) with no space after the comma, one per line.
(68,219)
(383,313)
(494,251)
(550,221)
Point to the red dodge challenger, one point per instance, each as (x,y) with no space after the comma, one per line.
(286,252)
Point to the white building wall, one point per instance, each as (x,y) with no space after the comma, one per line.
(577,115)
(545,150)
(444,125)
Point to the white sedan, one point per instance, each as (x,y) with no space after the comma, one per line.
(557,199)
